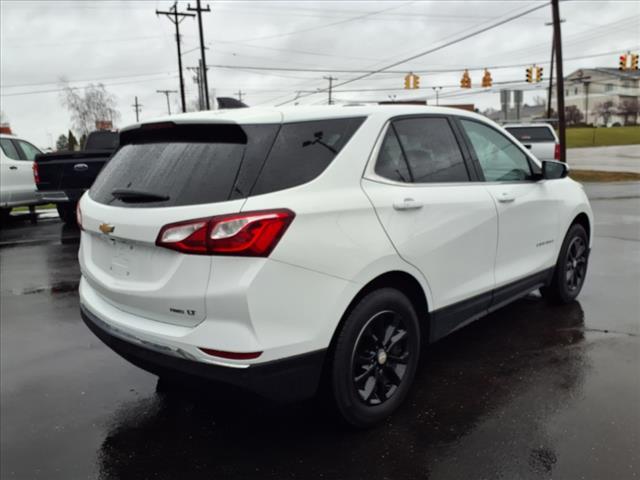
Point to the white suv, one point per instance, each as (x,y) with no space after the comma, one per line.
(267,248)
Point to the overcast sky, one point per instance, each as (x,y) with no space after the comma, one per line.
(124,45)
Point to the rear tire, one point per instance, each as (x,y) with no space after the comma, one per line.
(375,357)
(67,212)
(571,269)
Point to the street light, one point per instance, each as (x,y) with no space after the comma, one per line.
(437,90)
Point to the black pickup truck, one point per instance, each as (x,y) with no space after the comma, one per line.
(62,177)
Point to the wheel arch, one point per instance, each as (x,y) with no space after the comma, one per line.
(401,281)
(583,219)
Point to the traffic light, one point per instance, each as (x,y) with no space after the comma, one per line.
(411,81)
(538,74)
(623,62)
(487,81)
(529,74)
(465,82)
(634,61)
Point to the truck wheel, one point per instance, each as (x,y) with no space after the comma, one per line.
(571,268)
(5,214)
(67,212)
(375,357)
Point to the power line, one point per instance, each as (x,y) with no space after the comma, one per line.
(434,49)
(327,25)
(376,72)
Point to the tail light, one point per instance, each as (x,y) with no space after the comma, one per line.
(36,174)
(556,152)
(249,234)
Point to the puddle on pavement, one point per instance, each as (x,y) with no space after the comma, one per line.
(55,289)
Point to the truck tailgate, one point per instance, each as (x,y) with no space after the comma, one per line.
(70,170)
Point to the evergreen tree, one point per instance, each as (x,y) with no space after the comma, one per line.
(83,140)
(73,142)
(62,143)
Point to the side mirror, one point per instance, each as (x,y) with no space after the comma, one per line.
(552,170)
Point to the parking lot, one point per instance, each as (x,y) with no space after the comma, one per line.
(531,391)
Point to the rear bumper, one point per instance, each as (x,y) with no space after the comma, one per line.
(59,196)
(288,379)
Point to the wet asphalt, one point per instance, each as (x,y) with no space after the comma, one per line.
(530,392)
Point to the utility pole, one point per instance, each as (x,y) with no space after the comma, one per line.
(176,17)
(331,79)
(557,40)
(437,90)
(205,83)
(137,107)
(553,53)
(197,79)
(239,93)
(166,93)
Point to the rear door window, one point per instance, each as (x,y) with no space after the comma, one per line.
(532,134)
(302,151)
(421,150)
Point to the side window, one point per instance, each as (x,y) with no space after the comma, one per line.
(9,149)
(302,151)
(391,163)
(500,159)
(29,150)
(421,150)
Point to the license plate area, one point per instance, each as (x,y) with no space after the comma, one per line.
(122,254)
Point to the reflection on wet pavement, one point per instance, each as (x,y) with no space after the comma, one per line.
(532,391)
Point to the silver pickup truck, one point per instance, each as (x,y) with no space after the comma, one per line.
(540,138)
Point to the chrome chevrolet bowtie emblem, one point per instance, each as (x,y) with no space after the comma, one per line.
(106,228)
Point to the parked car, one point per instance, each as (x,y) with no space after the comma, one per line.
(17,187)
(62,177)
(267,248)
(539,138)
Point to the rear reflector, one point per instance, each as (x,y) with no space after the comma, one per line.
(36,173)
(251,234)
(231,355)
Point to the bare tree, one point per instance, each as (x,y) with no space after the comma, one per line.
(629,108)
(539,101)
(606,111)
(573,115)
(87,107)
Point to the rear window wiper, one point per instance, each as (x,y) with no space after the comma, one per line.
(137,196)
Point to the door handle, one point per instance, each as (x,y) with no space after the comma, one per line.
(13,167)
(407,204)
(81,167)
(506,197)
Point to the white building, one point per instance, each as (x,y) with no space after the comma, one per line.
(588,88)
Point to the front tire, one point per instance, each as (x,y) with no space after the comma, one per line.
(375,357)
(571,269)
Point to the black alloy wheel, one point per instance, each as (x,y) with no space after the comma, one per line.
(571,268)
(375,357)
(576,264)
(380,357)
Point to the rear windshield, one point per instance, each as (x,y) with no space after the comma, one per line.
(195,164)
(532,134)
(102,141)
